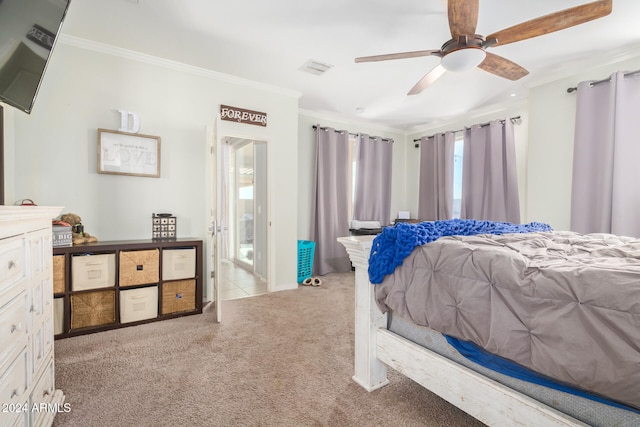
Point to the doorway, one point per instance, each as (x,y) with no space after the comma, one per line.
(243,256)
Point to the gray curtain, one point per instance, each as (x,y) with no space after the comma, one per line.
(435,193)
(329,201)
(489,176)
(373,180)
(606,157)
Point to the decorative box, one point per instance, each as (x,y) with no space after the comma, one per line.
(138,304)
(178,264)
(93,271)
(164,227)
(58,316)
(62,236)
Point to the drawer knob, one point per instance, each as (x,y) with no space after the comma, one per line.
(12,264)
(46,393)
(14,393)
(16,327)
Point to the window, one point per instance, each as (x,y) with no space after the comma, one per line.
(353,158)
(457,175)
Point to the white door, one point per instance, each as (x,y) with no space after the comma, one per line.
(216,227)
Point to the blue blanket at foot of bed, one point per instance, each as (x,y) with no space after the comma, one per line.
(395,243)
(478,355)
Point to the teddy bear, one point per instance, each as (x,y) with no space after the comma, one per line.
(77,229)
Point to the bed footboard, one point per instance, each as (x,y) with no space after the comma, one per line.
(479,396)
(487,400)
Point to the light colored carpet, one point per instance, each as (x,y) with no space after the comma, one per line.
(282,359)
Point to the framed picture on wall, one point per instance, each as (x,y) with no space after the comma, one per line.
(123,153)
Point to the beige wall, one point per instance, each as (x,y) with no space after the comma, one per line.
(551,133)
(54,150)
(51,154)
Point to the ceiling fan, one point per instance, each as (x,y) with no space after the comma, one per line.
(466,49)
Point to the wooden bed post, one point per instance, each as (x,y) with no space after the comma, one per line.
(370,373)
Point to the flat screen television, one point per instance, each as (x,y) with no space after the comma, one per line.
(28,32)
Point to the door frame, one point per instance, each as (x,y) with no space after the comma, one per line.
(221,130)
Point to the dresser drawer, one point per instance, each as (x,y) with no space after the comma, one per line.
(35,244)
(14,380)
(14,317)
(20,417)
(41,344)
(12,260)
(42,392)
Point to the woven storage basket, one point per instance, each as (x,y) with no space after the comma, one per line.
(93,309)
(139,267)
(178,296)
(59,274)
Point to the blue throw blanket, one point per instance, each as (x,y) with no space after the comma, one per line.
(395,243)
(504,366)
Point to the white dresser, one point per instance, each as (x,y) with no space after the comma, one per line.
(27,388)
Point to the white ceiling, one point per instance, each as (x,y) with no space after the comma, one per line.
(268,42)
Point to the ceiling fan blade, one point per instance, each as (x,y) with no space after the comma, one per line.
(401,55)
(427,80)
(553,22)
(463,17)
(502,67)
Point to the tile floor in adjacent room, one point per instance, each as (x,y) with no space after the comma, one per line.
(238,282)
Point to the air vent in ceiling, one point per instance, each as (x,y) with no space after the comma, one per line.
(315,67)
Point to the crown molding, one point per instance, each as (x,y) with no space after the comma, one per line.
(350,121)
(172,65)
(588,64)
(491,112)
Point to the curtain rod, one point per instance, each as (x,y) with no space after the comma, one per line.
(608,79)
(515,120)
(354,134)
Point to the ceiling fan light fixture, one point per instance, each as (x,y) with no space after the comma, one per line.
(463,59)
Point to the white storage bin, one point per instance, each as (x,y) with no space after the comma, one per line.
(58,316)
(93,271)
(138,304)
(178,264)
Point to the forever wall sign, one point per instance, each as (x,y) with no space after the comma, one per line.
(240,115)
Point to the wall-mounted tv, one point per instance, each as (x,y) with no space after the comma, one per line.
(28,32)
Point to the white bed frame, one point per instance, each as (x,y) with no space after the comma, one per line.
(376,348)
